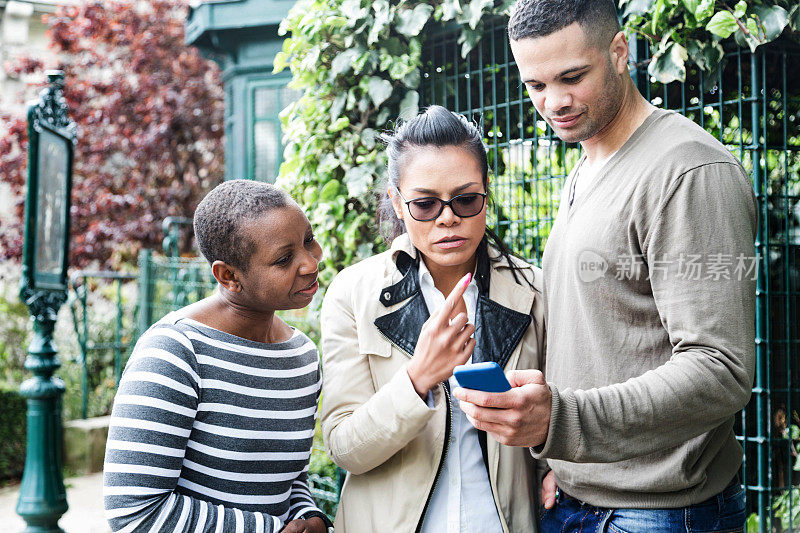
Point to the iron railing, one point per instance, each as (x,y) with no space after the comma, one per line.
(104,329)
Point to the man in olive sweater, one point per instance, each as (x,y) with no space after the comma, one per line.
(649,290)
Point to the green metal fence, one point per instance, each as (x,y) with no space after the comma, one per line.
(104,327)
(168,283)
(753,107)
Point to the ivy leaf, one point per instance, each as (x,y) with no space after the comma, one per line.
(328,164)
(344,61)
(705,55)
(752,27)
(669,64)
(773,20)
(722,24)
(691,5)
(409,106)
(413,20)
(310,195)
(740,9)
(358,180)
(473,12)
(394,47)
(280,62)
(704,10)
(794,432)
(339,124)
(468,39)
(794,18)
(353,11)
(796,467)
(382,117)
(638,7)
(658,10)
(711,77)
(368,138)
(379,90)
(383,16)
(450,9)
(748,40)
(412,79)
(329,191)
(364,250)
(338,105)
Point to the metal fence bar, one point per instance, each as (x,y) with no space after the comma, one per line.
(787,279)
(145,314)
(762,290)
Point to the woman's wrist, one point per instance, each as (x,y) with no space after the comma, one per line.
(417,381)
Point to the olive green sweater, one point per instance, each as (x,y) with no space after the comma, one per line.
(650,302)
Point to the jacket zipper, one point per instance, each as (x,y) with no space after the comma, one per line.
(447,430)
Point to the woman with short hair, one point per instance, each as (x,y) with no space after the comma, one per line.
(213,422)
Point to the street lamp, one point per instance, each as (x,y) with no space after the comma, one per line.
(43,288)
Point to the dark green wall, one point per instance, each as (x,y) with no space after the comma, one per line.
(242,37)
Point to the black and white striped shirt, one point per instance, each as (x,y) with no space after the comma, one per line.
(211,432)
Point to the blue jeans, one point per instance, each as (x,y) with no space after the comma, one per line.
(723,513)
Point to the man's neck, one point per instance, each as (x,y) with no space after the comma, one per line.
(632,113)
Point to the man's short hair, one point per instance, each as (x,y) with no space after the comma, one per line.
(539,18)
(222,214)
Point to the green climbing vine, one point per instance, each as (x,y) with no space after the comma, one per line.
(681,31)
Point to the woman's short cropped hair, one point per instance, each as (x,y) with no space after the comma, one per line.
(224,212)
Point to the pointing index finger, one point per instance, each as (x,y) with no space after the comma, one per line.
(452,298)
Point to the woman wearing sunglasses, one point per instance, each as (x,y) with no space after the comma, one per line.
(394,326)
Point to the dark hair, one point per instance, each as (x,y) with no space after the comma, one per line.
(438,127)
(220,216)
(539,18)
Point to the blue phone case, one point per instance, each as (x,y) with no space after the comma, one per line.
(487,377)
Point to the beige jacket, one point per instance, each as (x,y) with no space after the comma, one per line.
(375,425)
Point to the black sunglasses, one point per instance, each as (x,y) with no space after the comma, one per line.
(429,207)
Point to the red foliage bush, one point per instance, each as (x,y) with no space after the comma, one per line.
(150,113)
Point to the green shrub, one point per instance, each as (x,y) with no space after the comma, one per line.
(14,337)
(12,435)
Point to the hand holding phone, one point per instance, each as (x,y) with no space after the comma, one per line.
(487,377)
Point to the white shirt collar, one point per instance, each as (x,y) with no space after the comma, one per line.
(435,299)
(426,279)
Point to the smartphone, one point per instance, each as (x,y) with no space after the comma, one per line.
(487,377)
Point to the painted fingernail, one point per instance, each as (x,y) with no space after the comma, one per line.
(468,278)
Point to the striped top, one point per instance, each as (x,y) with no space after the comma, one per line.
(211,432)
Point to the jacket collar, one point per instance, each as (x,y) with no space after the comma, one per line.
(501,316)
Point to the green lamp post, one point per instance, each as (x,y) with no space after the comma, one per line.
(51,135)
